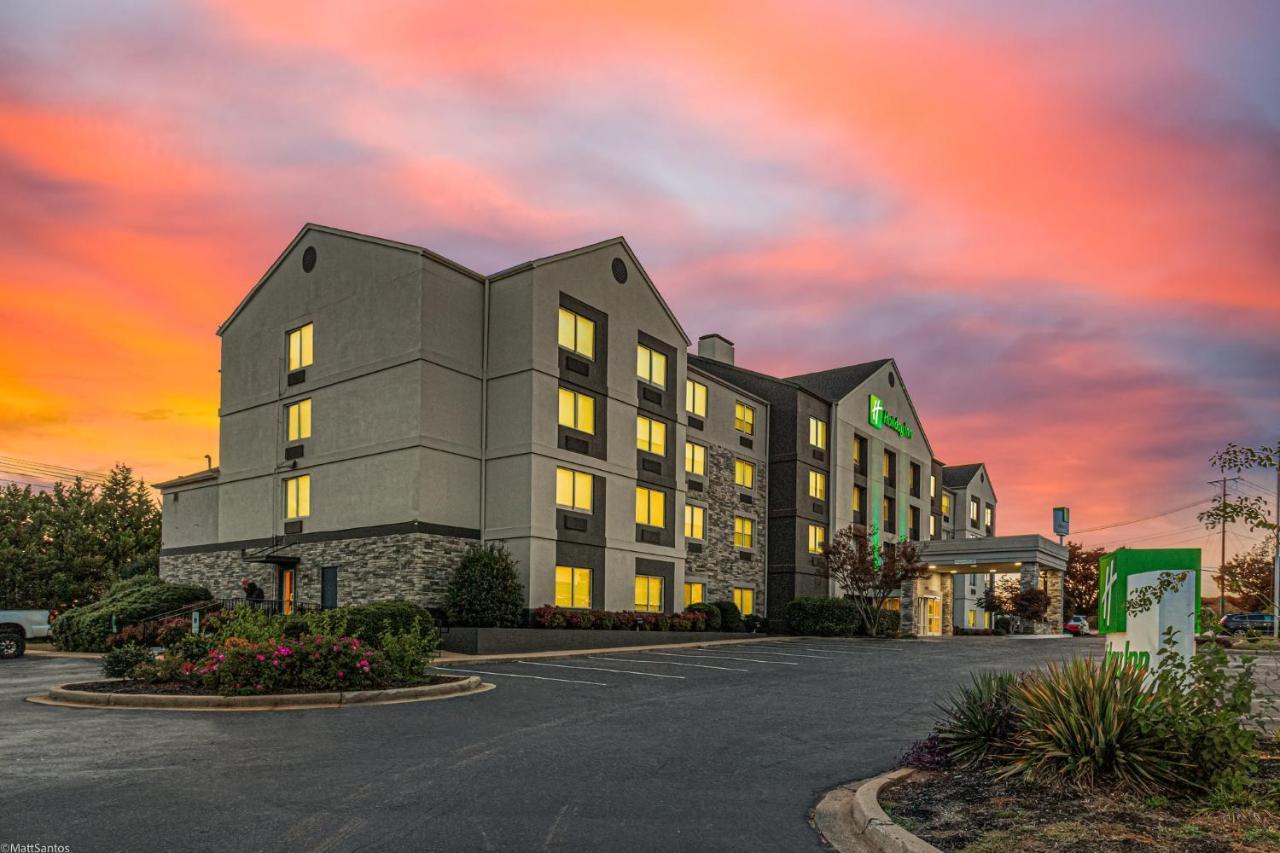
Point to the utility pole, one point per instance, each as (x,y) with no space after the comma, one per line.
(1222,561)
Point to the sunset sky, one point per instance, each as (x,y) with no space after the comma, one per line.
(1062,219)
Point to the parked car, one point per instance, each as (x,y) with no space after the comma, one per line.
(1077,625)
(18,626)
(1238,623)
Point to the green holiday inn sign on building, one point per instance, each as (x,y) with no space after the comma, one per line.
(879,418)
(1138,637)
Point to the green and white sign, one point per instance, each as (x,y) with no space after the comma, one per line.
(1130,574)
(880,418)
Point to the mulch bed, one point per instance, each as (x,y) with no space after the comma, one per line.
(969,811)
(183,689)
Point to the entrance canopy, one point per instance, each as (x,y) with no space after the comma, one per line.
(1001,554)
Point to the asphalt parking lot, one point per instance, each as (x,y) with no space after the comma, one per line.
(718,748)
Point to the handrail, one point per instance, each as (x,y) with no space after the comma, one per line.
(181,611)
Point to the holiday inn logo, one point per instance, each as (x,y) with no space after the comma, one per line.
(879,418)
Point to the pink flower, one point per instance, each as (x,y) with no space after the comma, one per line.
(260,657)
(340,673)
(355,643)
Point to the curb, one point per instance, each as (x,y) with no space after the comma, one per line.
(65,697)
(850,818)
(53,653)
(447,658)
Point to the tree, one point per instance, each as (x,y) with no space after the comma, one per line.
(998,599)
(66,546)
(485,591)
(1251,509)
(1030,604)
(1080,581)
(1247,577)
(851,562)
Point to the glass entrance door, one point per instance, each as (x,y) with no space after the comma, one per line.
(935,617)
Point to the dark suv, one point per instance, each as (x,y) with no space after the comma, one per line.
(1238,623)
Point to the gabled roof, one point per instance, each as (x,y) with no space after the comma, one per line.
(582,250)
(720,380)
(959,476)
(835,384)
(325,229)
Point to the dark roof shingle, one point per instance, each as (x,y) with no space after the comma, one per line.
(835,384)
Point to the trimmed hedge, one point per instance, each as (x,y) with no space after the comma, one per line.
(616,620)
(485,591)
(730,615)
(711,613)
(370,621)
(85,629)
(823,617)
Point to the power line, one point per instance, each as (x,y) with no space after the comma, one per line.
(31,468)
(1145,518)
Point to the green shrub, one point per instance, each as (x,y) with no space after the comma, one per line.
(120,661)
(711,613)
(1004,624)
(371,621)
(190,647)
(485,591)
(753,623)
(979,720)
(409,651)
(130,602)
(730,615)
(822,617)
(1087,723)
(890,622)
(245,622)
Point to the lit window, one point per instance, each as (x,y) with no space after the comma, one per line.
(300,347)
(889,465)
(693,593)
(695,398)
(651,506)
(818,485)
(744,474)
(744,418)
(973,510)
(297,497)
(573,489)
(649,593)
(577,411)
(299,420)
(693,517)
(946,504)
(651,435)
(818,433)
(743,531)
(859,451)
(857,500)
(573,587)
(577,333)
(745,598)
(933,485)
(651,366)
(695,458)
(986,620)
(817,538)
(933,526)
(973,618)
(988,517)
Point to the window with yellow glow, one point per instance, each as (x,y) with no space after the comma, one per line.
(745,598)
(651,366)
(573,489)
(818,485)
(651,435)
(299,414)
(649,593)
(946,504)
(651,506)
(300,347)
(693,518)
(743,531)
(973,510)
(989,518)
(297,497)
(818,433)
(859,444)
(577,333)
(857,500)
(933,526)
(695,398)
(817,538)
(986,620)
(577,411)
(933,485)
(744,418)
(888,464)
(573,587)
(693,592)
(973,618)
(695,458)
(744,474)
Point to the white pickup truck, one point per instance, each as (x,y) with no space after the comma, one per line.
(18,626)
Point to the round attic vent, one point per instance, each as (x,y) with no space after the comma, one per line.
(892,380)
(309,259)
(619,271)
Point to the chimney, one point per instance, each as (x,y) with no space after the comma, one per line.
(716,347)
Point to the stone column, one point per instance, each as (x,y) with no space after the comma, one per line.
(1054,615)
(948,604)
(906,607)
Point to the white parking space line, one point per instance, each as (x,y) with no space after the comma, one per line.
(514,675)
(718,657)
(598,669)
(763,652)
(673,663)
(845,650)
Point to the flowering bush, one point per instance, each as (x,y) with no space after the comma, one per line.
(160,632)
(616,620)
(311,663)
